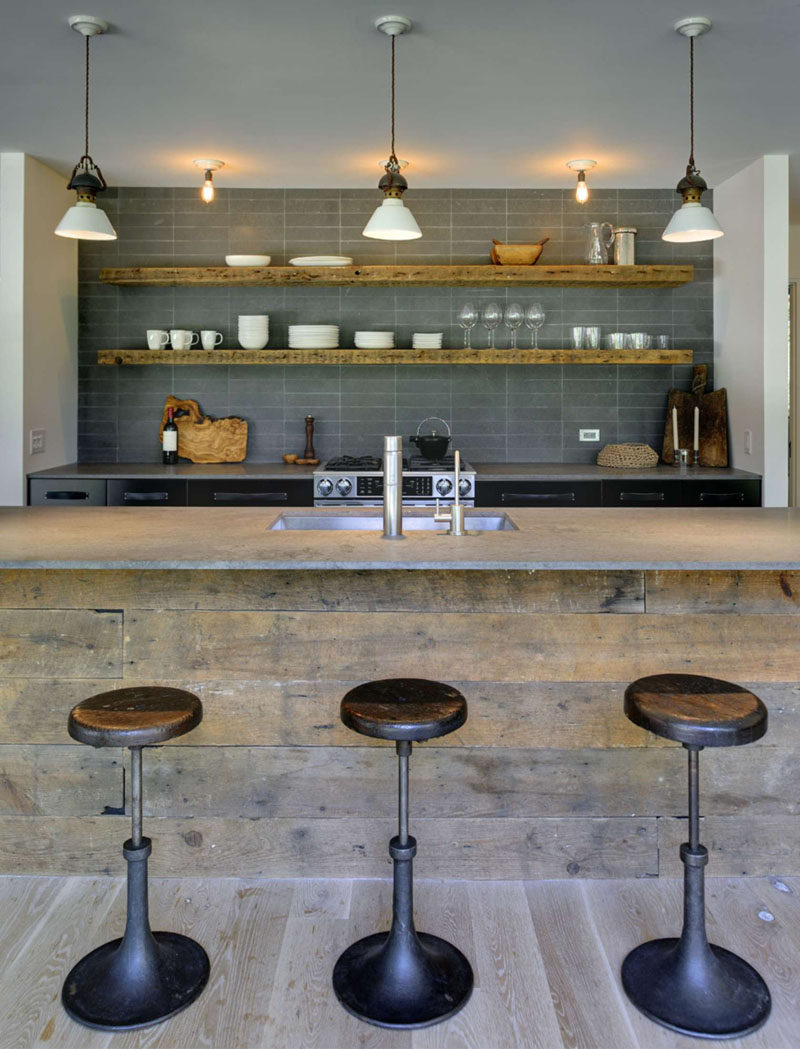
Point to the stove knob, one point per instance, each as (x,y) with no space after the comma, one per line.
(325,486)
(464,487)
(343,485)
(444,486)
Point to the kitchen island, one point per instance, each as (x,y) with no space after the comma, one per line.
(541,628)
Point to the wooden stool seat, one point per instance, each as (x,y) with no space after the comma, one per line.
(404,709)
(695,710)
(134,717)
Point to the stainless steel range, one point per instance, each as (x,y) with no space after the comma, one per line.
(348,481)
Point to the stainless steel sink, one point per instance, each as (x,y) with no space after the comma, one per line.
(372,521)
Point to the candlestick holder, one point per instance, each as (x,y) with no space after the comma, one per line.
(681,458)
(696,457)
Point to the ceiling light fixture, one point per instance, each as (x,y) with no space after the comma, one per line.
(84,220)
(208,166)
(581,166)
(692,221)
(392,220)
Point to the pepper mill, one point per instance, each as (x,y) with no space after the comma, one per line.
(309,453)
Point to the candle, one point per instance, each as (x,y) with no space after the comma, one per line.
(696,429)
(675,429)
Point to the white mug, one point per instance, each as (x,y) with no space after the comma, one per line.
(210,339)
(183,340)
(157,339)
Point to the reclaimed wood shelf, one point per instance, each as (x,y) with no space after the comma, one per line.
(394,356)
(401,276)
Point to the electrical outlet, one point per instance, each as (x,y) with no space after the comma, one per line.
(37,441)
(588,435)
(748,442)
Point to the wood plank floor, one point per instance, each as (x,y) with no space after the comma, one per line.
(546,957)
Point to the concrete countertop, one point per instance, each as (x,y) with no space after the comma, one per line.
(485,472)
(228,538)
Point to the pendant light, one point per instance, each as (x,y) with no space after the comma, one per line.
(692,221)
(581,166)
(208,166)
(84,220)
(392,220)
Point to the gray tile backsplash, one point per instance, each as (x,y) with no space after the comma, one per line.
(496,413)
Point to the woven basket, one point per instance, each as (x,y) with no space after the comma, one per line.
(627,455)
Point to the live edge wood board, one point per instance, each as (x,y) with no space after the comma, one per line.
(402,276)
(547,779)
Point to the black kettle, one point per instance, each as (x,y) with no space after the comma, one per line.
(432,445)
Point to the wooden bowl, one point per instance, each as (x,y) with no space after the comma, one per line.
(516,254)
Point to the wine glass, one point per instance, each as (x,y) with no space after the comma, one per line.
(468,318)
(534,319)
(513,319)
(492,316)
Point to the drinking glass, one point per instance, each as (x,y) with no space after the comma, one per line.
(534,319)
(468,318)
(578,337)
(492,316)
(662,342)
(513,319)
(593,337)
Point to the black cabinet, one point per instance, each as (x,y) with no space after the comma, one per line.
(721,493)
(537,493)
(294,491)
(147,492)
(642,493)
(59,491)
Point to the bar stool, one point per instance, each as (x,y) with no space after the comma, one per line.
(403,979)
(687,984)
(144,977)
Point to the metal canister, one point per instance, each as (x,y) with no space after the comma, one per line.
(624,245)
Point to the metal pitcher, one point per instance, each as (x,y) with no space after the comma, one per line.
(624,245)
(600,237)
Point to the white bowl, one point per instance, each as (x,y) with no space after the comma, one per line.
(253,342)
(248,260)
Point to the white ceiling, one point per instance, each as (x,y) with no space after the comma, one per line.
(490,94)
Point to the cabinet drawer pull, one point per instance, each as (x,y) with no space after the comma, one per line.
(537,497)
(145,497)
(251,497)
(641,497)
(722,498)
(66,495)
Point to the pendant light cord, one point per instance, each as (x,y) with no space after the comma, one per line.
(86,106)
(691,103)
(392,155)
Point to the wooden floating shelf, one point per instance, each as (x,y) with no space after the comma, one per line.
(401,276)
(394,356)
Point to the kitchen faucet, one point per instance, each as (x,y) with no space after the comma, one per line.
(455,516)
(393,488)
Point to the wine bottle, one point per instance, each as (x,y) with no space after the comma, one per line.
(169,441)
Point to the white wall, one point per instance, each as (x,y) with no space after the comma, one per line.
(751,274)
(39,321)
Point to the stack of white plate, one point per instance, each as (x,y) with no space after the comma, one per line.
(321,260)
(374,340)
(253,331)
(427,340)
(313,336)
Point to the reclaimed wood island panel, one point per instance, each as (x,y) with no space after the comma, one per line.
(546,780)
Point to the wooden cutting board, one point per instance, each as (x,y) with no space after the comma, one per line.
(205,440)
(713,421)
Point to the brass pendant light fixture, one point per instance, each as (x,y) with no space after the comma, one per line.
(392,220)
(84,220)
(692,221)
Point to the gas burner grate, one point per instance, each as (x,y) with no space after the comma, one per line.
(419,462)
(354,462)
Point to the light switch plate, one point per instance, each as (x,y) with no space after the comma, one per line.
(748,442)
(588,435)
(37,441)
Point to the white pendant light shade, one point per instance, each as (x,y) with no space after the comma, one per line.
(392,220)
(85,221)
(692,222)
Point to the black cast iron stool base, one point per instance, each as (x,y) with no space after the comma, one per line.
(142,978)
(402,978)
(713,995)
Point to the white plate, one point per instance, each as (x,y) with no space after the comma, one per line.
(248,260)
(321,260)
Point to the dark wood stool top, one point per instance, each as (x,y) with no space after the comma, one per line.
(701,711)
(134,717)
(404,708)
